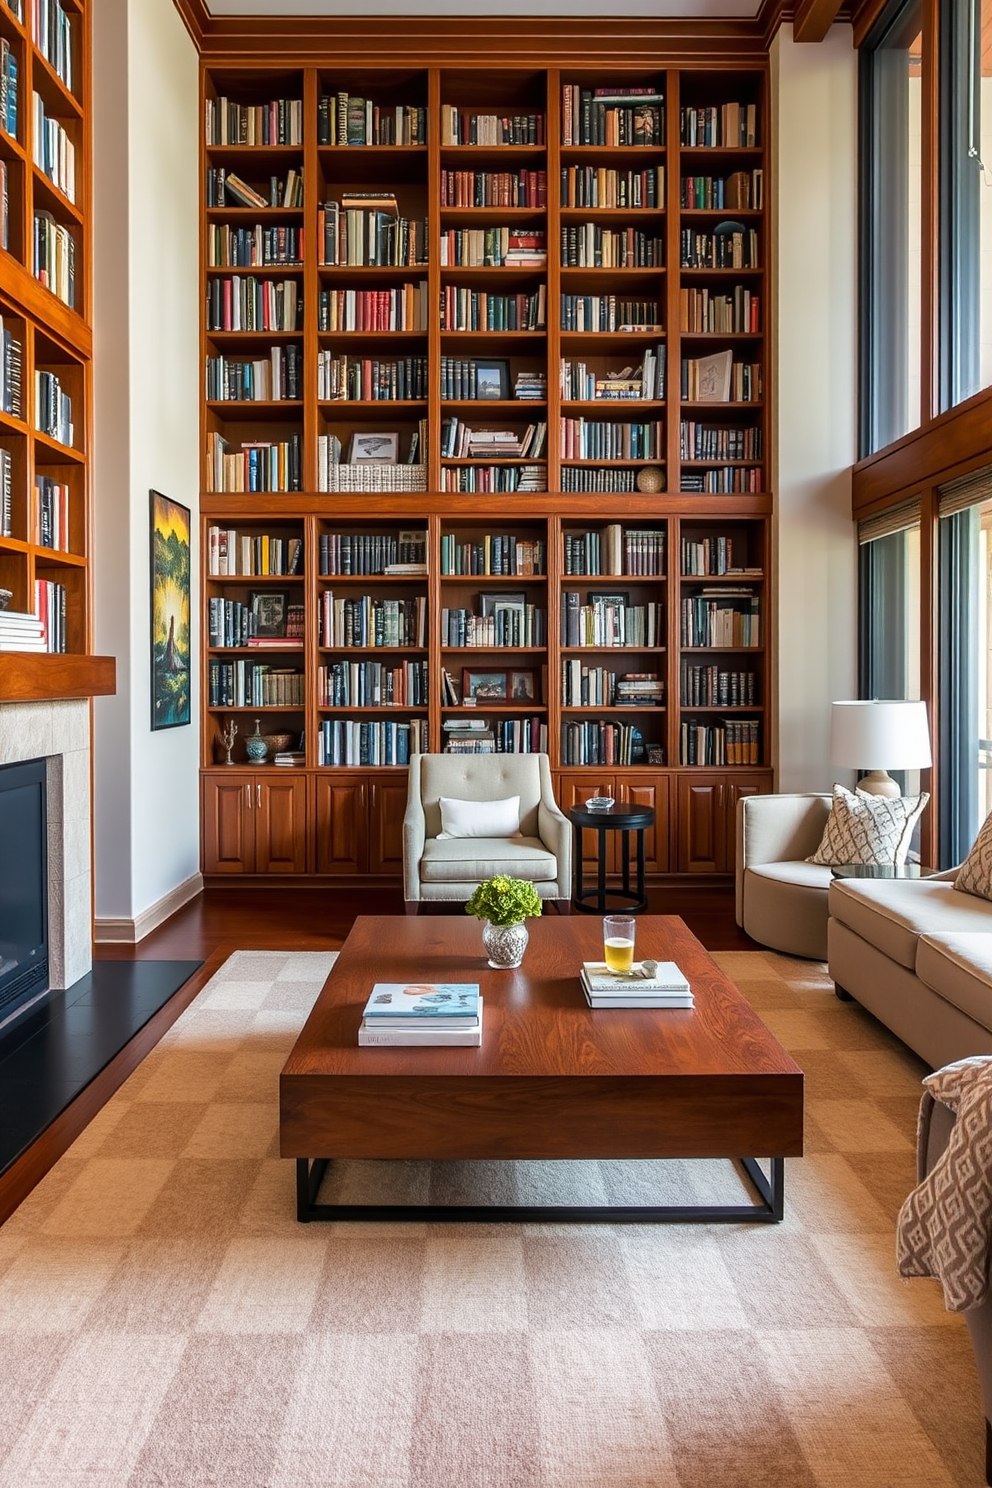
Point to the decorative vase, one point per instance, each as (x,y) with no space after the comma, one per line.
(505,943)
(256,747)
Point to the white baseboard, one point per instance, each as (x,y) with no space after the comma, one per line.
(107,931)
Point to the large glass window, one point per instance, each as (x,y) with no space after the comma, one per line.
(889,663)
(891,215)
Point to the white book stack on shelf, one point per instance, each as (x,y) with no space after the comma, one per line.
(410,1014)
(648,984)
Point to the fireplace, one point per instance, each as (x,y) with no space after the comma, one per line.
(24,971)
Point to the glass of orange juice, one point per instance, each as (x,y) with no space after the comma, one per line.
(618,942)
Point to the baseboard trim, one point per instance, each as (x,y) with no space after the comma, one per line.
(115,931)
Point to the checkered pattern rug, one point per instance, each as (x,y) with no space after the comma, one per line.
(165,1322)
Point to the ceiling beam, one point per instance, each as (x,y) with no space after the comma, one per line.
(813,19)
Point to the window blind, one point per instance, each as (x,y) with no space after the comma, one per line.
(902,518)
(967,490)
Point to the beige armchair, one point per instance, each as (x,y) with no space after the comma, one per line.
(435,868)
(782,899)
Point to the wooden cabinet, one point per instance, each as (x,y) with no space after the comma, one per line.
(635,790)
(254,825)
(387,808)
(707,814)
(359,824)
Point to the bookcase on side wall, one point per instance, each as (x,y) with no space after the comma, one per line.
(45,338)
(485,374)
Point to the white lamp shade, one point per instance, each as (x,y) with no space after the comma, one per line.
(887,735)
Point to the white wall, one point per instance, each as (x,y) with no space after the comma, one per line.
(146,431)
(814,159)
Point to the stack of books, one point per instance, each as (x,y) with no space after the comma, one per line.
(20,631)
(468,736)
(411,1014)
(639,689)
(648,984)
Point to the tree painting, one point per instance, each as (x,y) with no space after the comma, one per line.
(170,613)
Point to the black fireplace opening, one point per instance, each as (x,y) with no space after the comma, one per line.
(23,884)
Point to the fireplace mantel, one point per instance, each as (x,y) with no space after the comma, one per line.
(27,677)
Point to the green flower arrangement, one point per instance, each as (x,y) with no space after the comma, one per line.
(504,901)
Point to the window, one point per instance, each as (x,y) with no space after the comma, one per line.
(891,215)
(889,580)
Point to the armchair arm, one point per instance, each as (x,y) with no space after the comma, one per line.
(556,833)
(776,829)
(414,833)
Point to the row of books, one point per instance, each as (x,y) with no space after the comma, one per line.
(21,630)
(231,623)
(55,257)
(609,312)
(731,245)
(255,247)
(11,371)
(600,186)
(8,89)
(51,513)
(373,684)
(402,309)
(704,311)
(388,741)
(494,247)
(6,494)
(53,408)
(350,119)
(718,378)
(601,741)
(459,441)
(707,556)
(589,245)
(370,379)
(510,623)
(231,553)
(493,555)
(743,189)
(357,236)
(494,478)
(43,629)
(259,465)
(276,378)
(596,439)
(720,618)
(278,122)
(723,480)
(478,310)
(713,687)
(53,150)
(710,442)
(732,742)
(254,684)
(612,116)
(723,126)
(644,381)
(438,1013)
(634,551)
(610,620)
(246,303)
(366,621)
(503,736)
(462,126)
(597,687)
(225,188)
(574,478)
(4,205)
(364,553)
(51,30)
(647,984)
(522,188)
(365,477)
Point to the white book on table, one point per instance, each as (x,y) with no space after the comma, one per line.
(651,1000)
(643,979)
(429,1037)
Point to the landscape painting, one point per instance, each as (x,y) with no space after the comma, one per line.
(170,606)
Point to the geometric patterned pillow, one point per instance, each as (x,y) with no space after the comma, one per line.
(951,1084)
(975,873)
(863,828)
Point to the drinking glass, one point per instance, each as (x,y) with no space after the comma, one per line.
(618,942)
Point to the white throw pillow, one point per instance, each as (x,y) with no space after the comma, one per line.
(975,873)
(862,828)
(479,818)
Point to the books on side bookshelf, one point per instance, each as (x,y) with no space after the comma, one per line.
(252,247)
(366,553)
(598,187)
(11,372)
(496,736)
(278,122)
(744,190)
(373,742)
(494,248)
(55,257)
(461,126)
(231,553)
(609,313)
(51,513)
(349,119)
(276,378)
(54,152)
(373,684)
(616,550)
(354,233)
(588,245)
(8,89)
(649,984)
(371,379)
(259,465)
(51,29)
(612,116)
(719,379)
(643,381)
(459,441)
(726,126)
(225,188)
(402,309)
(523,188)
(610,620)
(246,303)
(733,741)
(423,1013)
(52,408)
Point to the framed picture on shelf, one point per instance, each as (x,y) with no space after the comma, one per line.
(170,612)
(656,755)
(523,686)
(490,603)
(374,449)
(270,608)
(619,598)
(484,686)
(492,380)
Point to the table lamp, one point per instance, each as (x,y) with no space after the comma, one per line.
(879,736)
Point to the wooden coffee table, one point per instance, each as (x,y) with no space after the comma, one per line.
(553,1078)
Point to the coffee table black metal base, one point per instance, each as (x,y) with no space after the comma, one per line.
(623,819)
(769,1210)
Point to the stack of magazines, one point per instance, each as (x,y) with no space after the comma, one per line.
(414,1013)
(648,984)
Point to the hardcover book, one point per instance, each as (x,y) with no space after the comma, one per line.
(433,1001)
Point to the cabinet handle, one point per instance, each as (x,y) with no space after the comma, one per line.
(248,792)
(258,796)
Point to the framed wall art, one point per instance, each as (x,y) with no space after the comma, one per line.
(170,612)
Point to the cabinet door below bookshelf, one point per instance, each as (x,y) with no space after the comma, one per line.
(254,825)
(228,825)
(635,790)
(702,824)
(342,827)
(281,823)
(387,808)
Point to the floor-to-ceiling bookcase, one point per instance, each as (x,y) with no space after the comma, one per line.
(543,293)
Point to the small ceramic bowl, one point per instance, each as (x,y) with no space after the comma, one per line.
(600,803)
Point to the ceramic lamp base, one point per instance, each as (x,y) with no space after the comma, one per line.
(880,783)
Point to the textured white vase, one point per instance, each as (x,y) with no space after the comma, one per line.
(505,943)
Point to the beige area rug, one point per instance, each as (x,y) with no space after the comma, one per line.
(165,1322)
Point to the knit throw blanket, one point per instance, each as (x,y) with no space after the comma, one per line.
(945,1226)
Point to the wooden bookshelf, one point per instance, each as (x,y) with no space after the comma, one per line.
(674,712)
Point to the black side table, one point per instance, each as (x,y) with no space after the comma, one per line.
(623,819)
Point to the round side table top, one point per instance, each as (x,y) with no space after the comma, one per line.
(621,817)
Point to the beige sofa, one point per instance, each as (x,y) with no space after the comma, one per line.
(918,954)
(782,899)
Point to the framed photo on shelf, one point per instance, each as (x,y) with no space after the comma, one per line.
(656,755)
(484,686)
(492,380)
(170,612)
(490,603)
(523,686)
(620,598)
(374,449)
(270,608)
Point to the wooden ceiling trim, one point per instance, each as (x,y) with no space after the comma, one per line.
(813,19)
(196,18)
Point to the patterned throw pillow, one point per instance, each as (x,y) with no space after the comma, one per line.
(951,1084)
(975,873)
(868,829)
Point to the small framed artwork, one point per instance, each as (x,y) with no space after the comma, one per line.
(170,612)
(492,380)
(374,449)
(490,603)
(617,597)
(484,686)
(271,611)
(523,687)
(656,755)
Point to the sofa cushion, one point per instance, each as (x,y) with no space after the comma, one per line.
(958,967)
(475,858)
(804,875)
(863,828)
(975,873)
(892,913)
